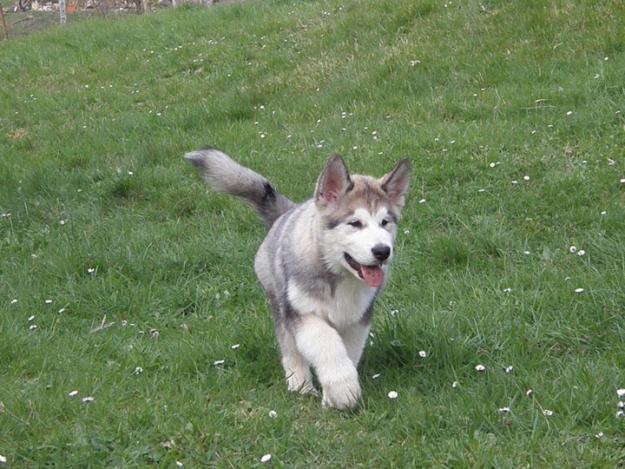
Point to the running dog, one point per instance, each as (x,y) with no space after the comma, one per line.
(322,264)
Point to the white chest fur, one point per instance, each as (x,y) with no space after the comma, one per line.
(345,307)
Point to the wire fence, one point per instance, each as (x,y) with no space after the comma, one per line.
(21,17)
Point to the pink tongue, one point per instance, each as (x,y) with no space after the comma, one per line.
(372,275)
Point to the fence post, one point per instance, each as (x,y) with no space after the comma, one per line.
(4,23)
(62,12)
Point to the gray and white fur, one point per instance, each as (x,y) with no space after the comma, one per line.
(322,264)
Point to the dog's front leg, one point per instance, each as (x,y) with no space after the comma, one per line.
(355,338)
(323,347)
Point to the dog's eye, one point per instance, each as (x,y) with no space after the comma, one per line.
(355,224)
(384,222)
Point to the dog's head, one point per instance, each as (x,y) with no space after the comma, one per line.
(360,216)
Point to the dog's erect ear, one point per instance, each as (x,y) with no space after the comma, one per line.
(333,182)
(397,182)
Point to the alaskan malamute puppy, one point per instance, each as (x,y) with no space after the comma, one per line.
(322,264)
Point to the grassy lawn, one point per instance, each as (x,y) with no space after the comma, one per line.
(123,278)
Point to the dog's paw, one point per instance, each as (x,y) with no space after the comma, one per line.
(301,382)
(342,392)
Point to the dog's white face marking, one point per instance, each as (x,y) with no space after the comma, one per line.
(363,231)
(352,243)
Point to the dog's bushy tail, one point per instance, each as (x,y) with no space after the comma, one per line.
(225,175)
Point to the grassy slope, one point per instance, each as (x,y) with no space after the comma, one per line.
(281,85)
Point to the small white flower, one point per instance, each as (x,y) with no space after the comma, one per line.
(507,290)
(73,393)
(492,165)
(604,212)
(504,410)
(88,399)
(611,162)
(581,252)
(480,368)
(219,362)
(48,302)
(481,190)
(508,369)
(455,385)
(376,376)
(547,413)
(622,180)
(514,181)
(527,253)
(13,301)
(137,371)
(154,333)
(620,405)
(62,222)
(3,459)
(265,458)
(31,318)
(620,393)
(235,346)
(569,113)
(392,395)
(579,290)
(90,270)
(599,435)
(33,327)
(423,353)
(620,414)
(422,201)
(526,178)
(273,414)
(179,464)
(406,232)
(572,249)
(529,392)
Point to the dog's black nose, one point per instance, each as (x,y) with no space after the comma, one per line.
(381,252)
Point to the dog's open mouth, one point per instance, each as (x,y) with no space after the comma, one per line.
(372,275)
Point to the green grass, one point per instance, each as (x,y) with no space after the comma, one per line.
(537,87)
